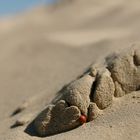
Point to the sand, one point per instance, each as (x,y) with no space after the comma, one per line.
(45,48)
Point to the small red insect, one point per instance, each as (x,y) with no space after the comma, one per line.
(83,119)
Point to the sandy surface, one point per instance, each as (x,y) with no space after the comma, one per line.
(44,49)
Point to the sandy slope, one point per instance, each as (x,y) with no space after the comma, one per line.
(47,47)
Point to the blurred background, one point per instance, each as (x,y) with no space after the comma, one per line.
(11,7)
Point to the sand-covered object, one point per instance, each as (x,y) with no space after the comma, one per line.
(104,90)
(91,93)
(77,93)
(57,118)
(125,71)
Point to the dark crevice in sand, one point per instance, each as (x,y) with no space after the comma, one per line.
(15,125)
(17,111)
(135,60)
(92,92)
(68,104)
(88,115)
(138,88)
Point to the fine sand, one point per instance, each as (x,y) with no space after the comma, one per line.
(44,49)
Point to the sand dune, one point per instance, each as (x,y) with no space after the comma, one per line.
(45,48)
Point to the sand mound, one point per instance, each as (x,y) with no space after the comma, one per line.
(119,75)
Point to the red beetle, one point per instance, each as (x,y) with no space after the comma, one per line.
(83,119)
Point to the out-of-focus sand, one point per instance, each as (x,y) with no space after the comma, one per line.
(44,49)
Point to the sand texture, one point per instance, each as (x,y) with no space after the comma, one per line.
(53,57)
(119,75)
